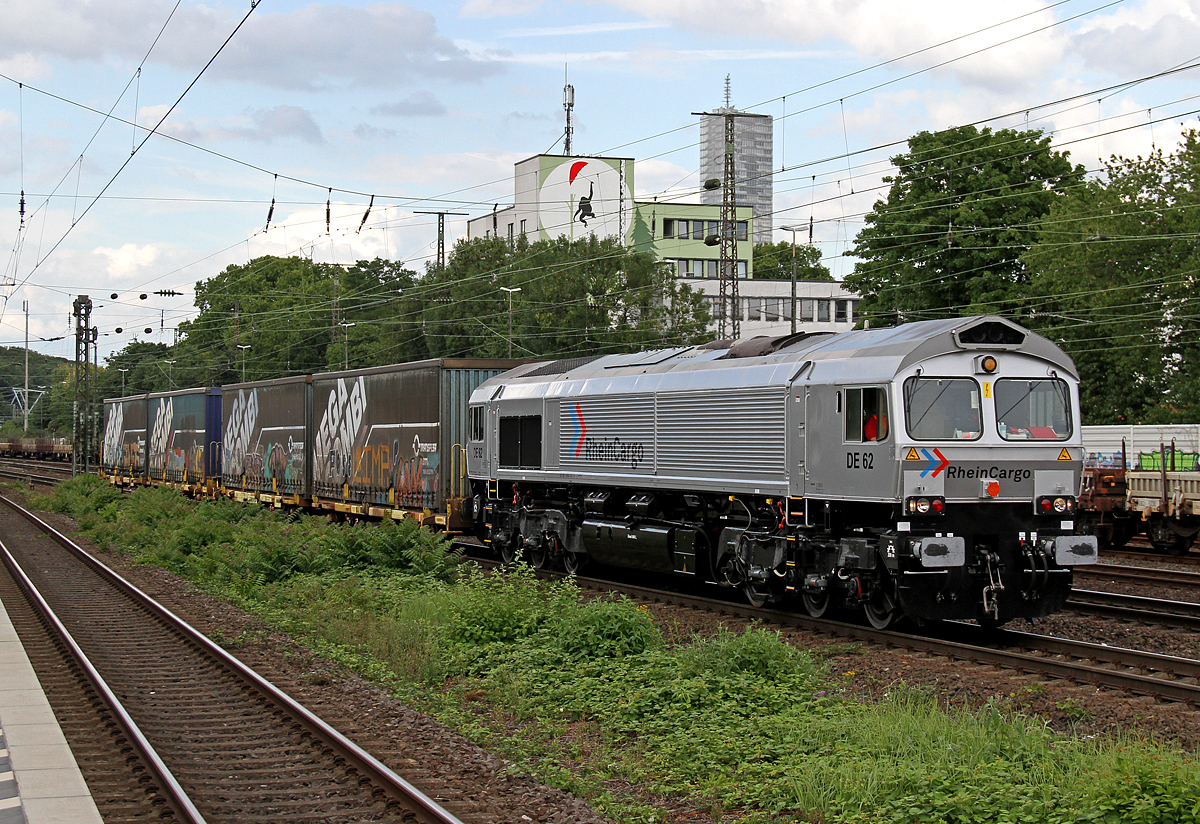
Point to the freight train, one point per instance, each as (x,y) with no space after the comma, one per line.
(930,470)
(46,449)
(383,442)
(1142,479)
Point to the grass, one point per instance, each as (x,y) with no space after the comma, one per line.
(590,696)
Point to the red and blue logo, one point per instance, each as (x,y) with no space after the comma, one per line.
(580,430)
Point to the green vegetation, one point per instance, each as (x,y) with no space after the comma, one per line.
(962,206)
(589,695)
(773,261)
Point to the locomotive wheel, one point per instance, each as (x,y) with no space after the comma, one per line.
(572,561)
(537,557)
(508,550)
(756,594)
(879,614)
(816,603)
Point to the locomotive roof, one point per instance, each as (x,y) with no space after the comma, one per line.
(863,354)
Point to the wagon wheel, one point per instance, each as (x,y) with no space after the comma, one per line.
(816,603)
(1164,539)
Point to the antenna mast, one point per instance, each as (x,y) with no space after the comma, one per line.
(568,105)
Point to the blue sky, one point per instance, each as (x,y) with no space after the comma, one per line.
(427,105)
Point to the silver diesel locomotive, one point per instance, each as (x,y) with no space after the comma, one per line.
(928,470)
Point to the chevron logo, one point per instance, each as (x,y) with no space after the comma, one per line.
(936,464)
(580,430)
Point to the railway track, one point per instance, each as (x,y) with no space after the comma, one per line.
(1182,614)
(1142,673)
(237,748)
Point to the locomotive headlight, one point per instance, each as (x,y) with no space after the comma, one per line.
(922,506)
(1060,505)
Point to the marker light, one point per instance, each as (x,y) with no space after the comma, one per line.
(1059,505)
(925,506)
(988,364)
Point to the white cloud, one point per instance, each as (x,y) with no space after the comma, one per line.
(498,8)
(316,46)
(880,29)
(128,261)
(583,28)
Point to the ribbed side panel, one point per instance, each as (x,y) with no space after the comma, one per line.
(731,433)
(611,433)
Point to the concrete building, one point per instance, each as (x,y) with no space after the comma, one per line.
(753,164)
(558,196)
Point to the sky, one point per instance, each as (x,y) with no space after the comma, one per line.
(150,137)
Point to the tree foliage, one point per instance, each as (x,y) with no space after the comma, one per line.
(773,261)
(582,296)
(963,206)
(1116,275)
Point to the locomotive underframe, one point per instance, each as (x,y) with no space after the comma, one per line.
(828,553)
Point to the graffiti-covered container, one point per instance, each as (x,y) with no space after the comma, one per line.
(264,442)
(124,449)
(392,436)
(185,435)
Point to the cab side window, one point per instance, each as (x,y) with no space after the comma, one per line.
(476,424)
(866,415)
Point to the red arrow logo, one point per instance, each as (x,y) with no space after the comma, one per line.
(944,463)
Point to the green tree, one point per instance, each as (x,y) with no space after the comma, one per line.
(773,261)
(963,206)
(576,297)
(1115,284)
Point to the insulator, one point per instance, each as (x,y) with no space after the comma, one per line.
(327,202)
(365,214)
(270,214)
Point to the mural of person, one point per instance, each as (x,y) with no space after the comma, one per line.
(584,210)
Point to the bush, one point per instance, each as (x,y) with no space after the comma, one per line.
(605,629)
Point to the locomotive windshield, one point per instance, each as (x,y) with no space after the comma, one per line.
(1033,409)
(938,409)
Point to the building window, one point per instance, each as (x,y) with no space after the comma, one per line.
(839,311)
(712,227)
(697,230)
(823,311)
(742,269)
(772,309)
(682,226)
(741,230)
(854,308)
(716,306)
(712,268)
(668,226)
(806,309)
(510,232)
(522,228)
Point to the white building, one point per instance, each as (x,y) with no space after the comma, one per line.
(766,305)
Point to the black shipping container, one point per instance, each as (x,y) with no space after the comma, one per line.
(264,445)
(185,436)
(392,437)
(123,452)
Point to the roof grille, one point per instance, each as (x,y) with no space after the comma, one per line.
(559,367)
